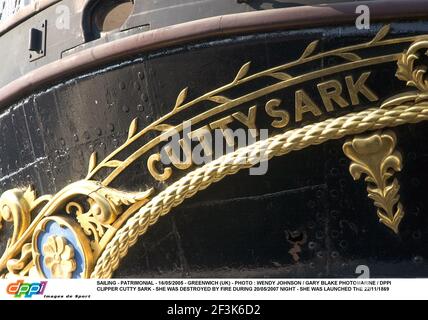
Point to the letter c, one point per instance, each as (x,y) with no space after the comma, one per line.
(154,171)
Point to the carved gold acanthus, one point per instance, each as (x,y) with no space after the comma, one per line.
(95,211)
(375,156)
(90,220)
(410,67)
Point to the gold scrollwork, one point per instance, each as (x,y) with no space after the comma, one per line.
(107,209)
(105,205)
(19,267)
(375,156)
(98,216)
(15,207)
(411,68)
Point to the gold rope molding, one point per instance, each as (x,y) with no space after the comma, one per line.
(371,119)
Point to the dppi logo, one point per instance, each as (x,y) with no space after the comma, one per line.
(27,290)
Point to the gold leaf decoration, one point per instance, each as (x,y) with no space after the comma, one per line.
(133,128)
(15,208)
(381,34)
(91,226)
(309,49)
(92,162)
(404,64)
(14,266)
(163,127)
(374,155)
(242,72)
(280,76)
(30,194)
(119,198)
(113,164)
(181,97)
(349,56)
(410,70)
(219,99)
(404,98)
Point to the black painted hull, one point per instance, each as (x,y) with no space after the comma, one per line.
(306,217)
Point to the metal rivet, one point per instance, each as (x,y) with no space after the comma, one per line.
(416,235)
(343,244)
(319,235)
(418,259)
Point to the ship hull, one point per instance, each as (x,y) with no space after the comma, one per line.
(309,214)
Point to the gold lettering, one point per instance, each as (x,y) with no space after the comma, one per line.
(303,104)
(222,125)
(360,87)
(249,121)
(201,134)
(154,171)
(331,91)
(282,115)
(175,159)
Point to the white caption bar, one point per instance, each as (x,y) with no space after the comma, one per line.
(214,289)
